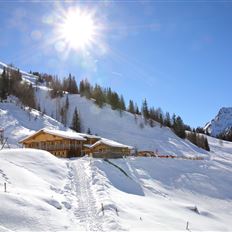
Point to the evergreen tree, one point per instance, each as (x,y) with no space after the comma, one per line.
(167,120)
(4,85)
(144,109)
(137,109)
(89,131)
(179,128)
(73,87)
(173,120)
(131,107)
(98,95)
(76,125)
(122,103)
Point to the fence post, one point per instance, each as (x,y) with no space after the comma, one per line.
(102,208)
(116,211)
(5,187)
(187,226)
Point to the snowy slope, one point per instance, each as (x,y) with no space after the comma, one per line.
(45,193)
(104,121)
(221,123)
(36,187)
(19,122)
(123,128)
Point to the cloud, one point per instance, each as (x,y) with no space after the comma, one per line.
(117,74)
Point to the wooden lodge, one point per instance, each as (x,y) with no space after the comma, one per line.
(71,144)
(59,143)
(106,148)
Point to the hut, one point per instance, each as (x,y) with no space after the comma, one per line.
(59,143)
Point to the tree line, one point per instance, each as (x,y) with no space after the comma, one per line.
(11,84)
(102,96)
(227,135)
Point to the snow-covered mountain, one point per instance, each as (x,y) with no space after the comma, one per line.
(122,127)
(221,123)
(45,193)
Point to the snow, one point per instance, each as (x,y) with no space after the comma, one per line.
(45,193)
(19,122)
(64,134)
(124,128)
(89,136)
(221,123)
(33,200)
(110,143)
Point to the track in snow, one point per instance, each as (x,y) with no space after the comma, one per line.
(87,211)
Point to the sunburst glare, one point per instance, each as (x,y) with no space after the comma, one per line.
(78,29)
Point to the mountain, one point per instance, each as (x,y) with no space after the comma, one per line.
(122,126)
(222,123)
(46,193)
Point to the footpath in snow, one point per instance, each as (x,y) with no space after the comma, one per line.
(50,194)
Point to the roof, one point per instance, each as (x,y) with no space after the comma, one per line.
(111,143)
(63,134)
(89,136)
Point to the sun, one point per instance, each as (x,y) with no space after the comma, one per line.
(78,29)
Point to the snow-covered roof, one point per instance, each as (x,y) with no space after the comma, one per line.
(63,134)
(110,143)
(89,136)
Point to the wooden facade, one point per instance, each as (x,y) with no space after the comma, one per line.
(69,144)
(56,144)
(103,150)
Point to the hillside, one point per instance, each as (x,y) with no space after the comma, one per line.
(19,122)
(51,194)
(120,127)
(221,123)
(123,127)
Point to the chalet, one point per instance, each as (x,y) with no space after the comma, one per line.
(106,148)
(59,143)
(72,144)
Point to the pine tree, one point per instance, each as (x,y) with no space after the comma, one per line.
(122,103)
(131,107)
(76,125)
(4,85)
(137,109)
(89,131)
(73,87)
(144,109)
(173,120)
(167,120)
(98,95)
(178,127)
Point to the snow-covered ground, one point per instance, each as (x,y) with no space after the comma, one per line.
(19,122)
(45,193)
(123,128)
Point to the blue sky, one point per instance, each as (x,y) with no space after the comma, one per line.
(177,54)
